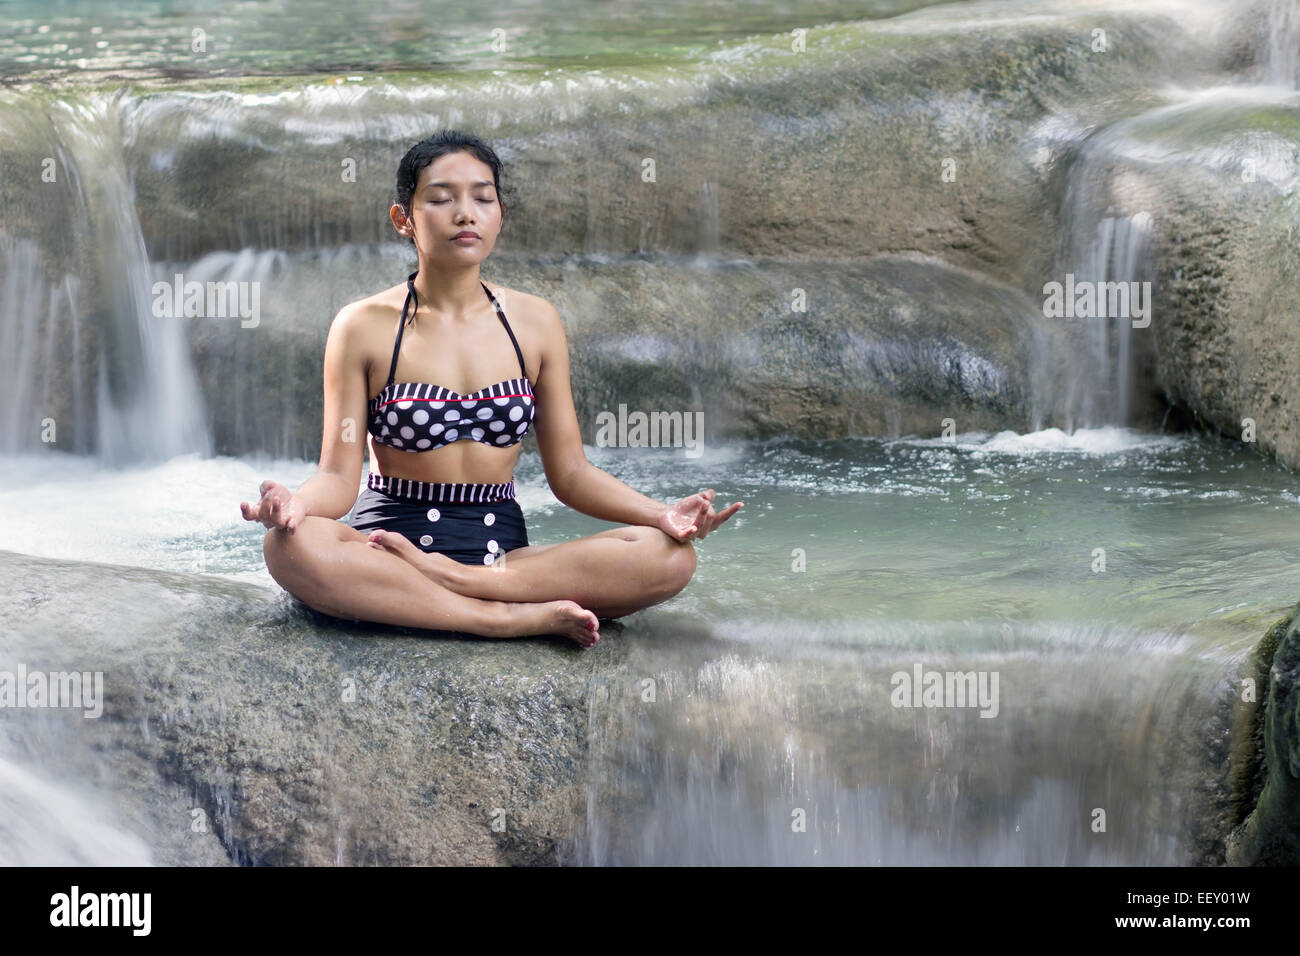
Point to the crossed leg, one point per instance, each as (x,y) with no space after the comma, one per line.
(611,573)
(330,567)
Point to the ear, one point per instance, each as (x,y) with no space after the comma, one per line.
(401,222)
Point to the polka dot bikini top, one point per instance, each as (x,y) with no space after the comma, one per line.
(417,416)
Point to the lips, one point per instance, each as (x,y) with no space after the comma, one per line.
(466,235)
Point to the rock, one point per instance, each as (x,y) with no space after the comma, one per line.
(917,135)
(297,739)
(1222,347)
(1266,759)
(303,739)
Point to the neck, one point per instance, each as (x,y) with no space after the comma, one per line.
(445,291)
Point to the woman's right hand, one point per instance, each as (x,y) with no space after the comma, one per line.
(278,507)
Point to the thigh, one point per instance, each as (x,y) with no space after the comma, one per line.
(315,529)
(625,533)
(292,556)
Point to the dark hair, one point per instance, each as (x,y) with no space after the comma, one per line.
(440,144)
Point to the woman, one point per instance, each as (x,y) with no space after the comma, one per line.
(436,539)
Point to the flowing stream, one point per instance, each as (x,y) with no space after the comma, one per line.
(1101,585)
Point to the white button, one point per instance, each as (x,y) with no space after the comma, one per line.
(489,518)
(426,540)
(493,546)
(434,514)
(488,559)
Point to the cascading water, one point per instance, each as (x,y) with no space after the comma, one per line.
(1104,250)
(772,682)
(1283,64)
(134,397)
(40,340)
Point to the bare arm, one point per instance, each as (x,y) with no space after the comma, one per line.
(580,484)
(574,480)
(332,491)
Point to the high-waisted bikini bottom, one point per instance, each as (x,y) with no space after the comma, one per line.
(472,523)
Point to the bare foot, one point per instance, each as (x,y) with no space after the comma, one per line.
(436,567)
(564,618)
(572,621)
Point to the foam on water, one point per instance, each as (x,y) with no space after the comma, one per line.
(48,824)
(181,515)
(1106,440)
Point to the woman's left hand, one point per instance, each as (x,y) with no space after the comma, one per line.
(694,517)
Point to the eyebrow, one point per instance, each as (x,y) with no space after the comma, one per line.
(481,182)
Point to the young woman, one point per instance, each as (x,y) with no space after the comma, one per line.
(437,539)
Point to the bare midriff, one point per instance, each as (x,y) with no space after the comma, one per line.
(461,461)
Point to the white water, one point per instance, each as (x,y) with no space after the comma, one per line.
(136,398)
(55,823)
(918,548)
(1283,65)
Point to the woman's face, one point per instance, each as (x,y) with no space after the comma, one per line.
(454,194)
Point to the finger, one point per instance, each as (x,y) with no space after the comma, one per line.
(729,511)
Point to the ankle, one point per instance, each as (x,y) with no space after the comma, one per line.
(449,572)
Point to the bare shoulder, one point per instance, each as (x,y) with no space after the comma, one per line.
(365,324)
(368,308)
(363,330)
(531,314)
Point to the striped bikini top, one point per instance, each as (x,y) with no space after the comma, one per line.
(418,416)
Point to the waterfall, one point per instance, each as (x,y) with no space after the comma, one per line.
(84,353)
(1284,43)
(1104,246)
(38,321)
(1116,254)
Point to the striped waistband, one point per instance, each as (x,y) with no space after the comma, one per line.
(452,491)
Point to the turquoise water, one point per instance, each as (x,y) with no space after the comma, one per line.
(1113,581)
(309,36)
(995,531)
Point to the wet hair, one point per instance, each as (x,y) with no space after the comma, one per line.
(440,144)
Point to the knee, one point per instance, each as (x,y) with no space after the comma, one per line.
(684,561)
(288,557)
(678,563)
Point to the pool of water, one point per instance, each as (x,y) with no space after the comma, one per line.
(226,38)
(1106,525)
(1110,582)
